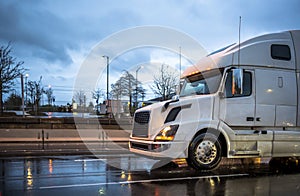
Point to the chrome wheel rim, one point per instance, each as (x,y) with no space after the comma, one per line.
(206,152)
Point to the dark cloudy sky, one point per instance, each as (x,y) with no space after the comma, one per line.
(53,37)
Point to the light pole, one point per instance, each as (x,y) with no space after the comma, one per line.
(136,87)
(49,95)
(107,80)
(22,89)
(26,77)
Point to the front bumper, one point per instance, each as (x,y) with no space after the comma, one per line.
(172,149)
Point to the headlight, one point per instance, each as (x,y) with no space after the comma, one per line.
(167,134)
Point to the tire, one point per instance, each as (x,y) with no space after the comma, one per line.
(205,152)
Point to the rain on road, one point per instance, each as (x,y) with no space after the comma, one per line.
(127,174)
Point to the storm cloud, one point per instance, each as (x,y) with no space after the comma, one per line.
(53,37)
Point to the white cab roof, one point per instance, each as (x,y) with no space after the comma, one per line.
(253,52)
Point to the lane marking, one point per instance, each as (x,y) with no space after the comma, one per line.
(142,181)
(89,160)
(105,157)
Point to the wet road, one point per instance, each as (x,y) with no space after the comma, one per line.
(127,174)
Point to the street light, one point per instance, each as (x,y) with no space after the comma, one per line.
(22,89)
(49,95)
(136,87)
(107,80)
(26,77)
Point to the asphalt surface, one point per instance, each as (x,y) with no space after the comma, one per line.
(127,174)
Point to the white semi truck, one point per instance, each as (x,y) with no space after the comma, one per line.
(242,101)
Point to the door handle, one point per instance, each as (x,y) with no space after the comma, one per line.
(250,118)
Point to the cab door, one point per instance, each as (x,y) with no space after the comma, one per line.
(238,109)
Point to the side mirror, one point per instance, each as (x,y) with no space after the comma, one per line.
(221,95)
(237,82)
(175,98)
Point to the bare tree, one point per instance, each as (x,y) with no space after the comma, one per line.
(117,91)
(80,98)
(36,90)
(97,94)
(165,83)
(50,97)
(140,93)
(13,102)
(125,87)
(10,69)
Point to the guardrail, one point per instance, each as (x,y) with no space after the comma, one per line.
(62,135)
(19,141)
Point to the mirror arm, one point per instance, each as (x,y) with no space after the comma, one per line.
(221,95)
(166,105)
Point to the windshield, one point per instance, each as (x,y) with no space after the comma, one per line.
(202,84)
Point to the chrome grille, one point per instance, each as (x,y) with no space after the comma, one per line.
(141,122)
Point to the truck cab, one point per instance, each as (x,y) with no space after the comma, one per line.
(239,102)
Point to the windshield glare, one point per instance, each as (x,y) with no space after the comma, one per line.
(202,83)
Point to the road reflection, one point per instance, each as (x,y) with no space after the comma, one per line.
(86,175)
(50,166)
(29,178)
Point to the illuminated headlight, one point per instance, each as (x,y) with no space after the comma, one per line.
(167,134)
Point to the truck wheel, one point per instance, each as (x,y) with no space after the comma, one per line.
(205,152)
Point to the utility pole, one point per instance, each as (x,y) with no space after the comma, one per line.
(22,89)
(136,86)
(107,82)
